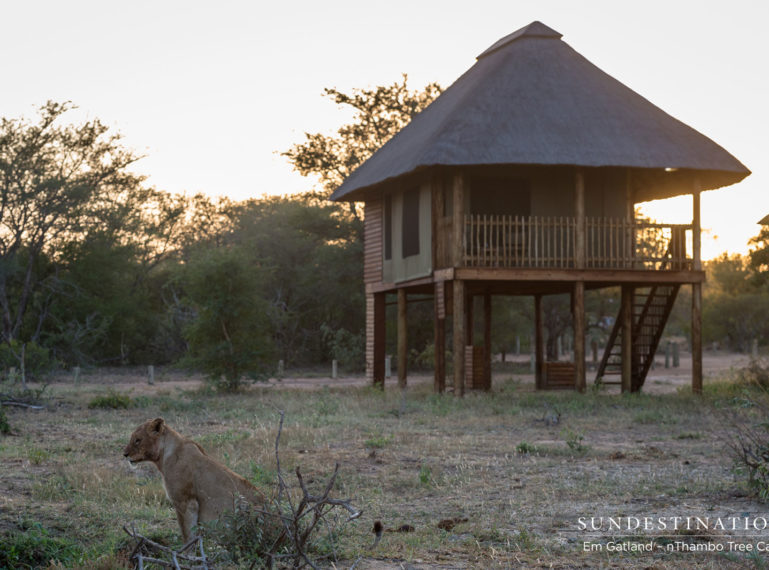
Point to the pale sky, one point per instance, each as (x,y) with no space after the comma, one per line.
(211,92)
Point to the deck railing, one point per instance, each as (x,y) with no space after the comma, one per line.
(549,242)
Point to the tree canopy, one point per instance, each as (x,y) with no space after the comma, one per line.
(378,114)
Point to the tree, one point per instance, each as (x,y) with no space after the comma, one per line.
(379,113)
(759,255)
(229,336)
(736,307)
(57,182)
(313,263)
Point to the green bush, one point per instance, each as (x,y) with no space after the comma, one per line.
(111,401)
(37,360)
(349,349)
(5,427)
(34,547)
(248,534)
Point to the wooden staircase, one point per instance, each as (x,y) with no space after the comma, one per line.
(651,309)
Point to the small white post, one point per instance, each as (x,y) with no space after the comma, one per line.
(76,372)
(388,367)
(281,369)
(151,375)
(334,369)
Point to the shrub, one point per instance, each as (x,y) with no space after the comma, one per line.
(248,533)
(33,547)
(756,373)
(524,448)
(5,427)
(111,401)
(349,349)
(37,360)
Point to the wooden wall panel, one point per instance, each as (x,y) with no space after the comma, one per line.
(372,242)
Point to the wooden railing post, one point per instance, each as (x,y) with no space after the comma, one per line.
(458,189)
(580,238)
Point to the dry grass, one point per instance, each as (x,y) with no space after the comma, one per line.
(520,481)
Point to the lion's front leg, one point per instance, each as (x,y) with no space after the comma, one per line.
(187,514)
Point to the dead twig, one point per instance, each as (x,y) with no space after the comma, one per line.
(21,405)
(148,551)
(300,520)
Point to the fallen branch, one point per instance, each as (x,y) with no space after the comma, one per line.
(21,405)
(148,551)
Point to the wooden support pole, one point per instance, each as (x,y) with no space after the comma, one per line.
(629,252)
(696,292)
(458,222)
(697,338)
(626,315)
(402,338)
(580,238)
(459,337)
(579,336)
(375,338)
(696,228)
(487,340)
(439,321)
(539,343)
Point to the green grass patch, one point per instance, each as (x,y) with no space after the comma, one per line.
(111,401)
(33,546)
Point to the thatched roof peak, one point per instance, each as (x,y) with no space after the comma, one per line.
(534,30)
(532,100)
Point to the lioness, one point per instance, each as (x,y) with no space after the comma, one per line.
(199,487)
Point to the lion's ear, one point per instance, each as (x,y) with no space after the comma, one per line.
(156,426)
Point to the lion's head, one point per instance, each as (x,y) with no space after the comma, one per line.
(144,443)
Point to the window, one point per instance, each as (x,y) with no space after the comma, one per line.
(506,196)
(388,227)
(410,223)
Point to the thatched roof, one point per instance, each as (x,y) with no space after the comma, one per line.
(530,99)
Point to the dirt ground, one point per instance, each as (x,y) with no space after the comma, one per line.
(524,468)
(660,380)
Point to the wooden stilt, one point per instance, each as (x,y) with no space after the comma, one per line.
(459,337)
(579,336)
(487,340)
(375,338)
(539,343)
(697,338)
(439,383)
(402,336)
(627,337)
(696,292)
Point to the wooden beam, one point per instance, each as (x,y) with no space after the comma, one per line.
(539,343)
(608,276)
(459,337)
(402,338)
(487,340)
(697,338)
(696,227)
(458,189)
(579,336)
(439,323)
(580,237)
(626,314)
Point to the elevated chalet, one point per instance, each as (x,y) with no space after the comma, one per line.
(521,179)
